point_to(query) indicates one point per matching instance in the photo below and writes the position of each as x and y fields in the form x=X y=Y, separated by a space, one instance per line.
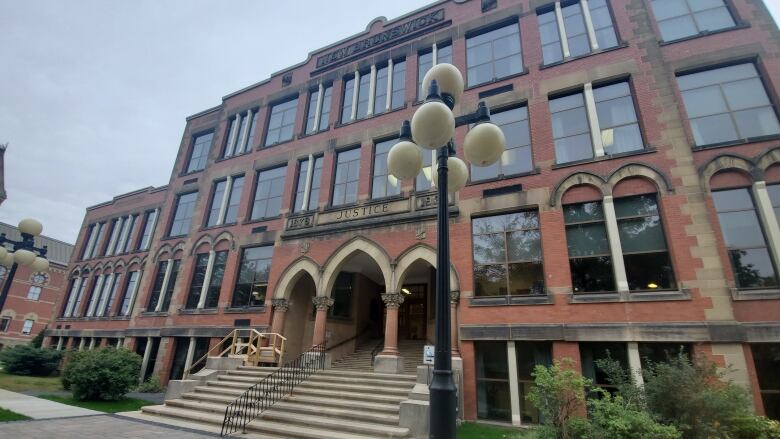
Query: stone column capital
x=393 y=300
x=454 y=296
x=280 y=305
x=322 y=303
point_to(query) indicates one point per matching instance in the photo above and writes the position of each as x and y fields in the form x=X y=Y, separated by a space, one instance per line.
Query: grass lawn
x=8 y=415
x=123 y=405
x=471 y=430
x=19 y=383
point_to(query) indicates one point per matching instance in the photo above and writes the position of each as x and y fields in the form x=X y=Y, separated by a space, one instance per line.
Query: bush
x=614 y=418
x=754 y=427
x=37 y=341
x=28 y=360
x=151 y=385
x=558 y=393
x=101 y=374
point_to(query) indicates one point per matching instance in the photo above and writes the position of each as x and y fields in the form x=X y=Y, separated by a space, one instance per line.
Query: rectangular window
x=198 y=279
x=342 y=296
x=494 y=55
x=508 y=255
x=529 y=355
x=240 y=136
x=90 y=234
x=200 y=152
x=590 y=258
x=130 y=290
x=150 y=219
x=424 y=180
x=766 y=357
x=106 y=308
x=281 y=123
x=753 y=267
x=116 y=227
x=617 y=118
x=576 y=26
x=185 y=207
x=319 y=104
x=346 y=106
x=171 y=285
x=684 y=18
x=384 y=184
x=5 y=323
x=727 y=104
x=425 y=62
x=28 y=325
x=590 y=353
x=34 y=293
x=124 y=244
x=216 y=203
x=215 y=283
x=268 y=194
x=493 y=395
x=380 y=93
x=650 y=353
x=643 y=243
x=219 y=216
x=399 y=85
x=364 y=85
x=311 y=112
x=159 y=278
x=301 y=202
x=234 y=200
x=252 y=280
x=516 y=158
x=345 y=185
x=79 y=297
x=571 y=130
x=774 y=198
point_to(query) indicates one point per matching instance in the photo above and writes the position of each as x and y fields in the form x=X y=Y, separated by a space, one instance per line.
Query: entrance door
x=413 y=316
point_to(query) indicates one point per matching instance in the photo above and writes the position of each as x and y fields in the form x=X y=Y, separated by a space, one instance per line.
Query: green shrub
x=151 y=385
x=37 y=341
x=101 y=374
x=558 y=393
x=754 y=427
x=614 y=418
x=28 y=360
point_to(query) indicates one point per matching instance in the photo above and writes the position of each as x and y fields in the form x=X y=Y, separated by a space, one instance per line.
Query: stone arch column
x=390 y=360
x=281 y=306
x=321 y=303
x=454 y=299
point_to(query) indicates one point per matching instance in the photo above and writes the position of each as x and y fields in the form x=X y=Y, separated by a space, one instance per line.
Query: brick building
x=635 y=210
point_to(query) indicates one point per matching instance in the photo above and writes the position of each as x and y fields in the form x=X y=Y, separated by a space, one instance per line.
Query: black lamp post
x=24 y=252
x=432 y=128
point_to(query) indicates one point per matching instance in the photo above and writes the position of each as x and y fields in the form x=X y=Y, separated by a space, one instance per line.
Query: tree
x=559 y=393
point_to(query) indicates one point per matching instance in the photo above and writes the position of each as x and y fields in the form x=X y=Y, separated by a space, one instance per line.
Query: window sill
x=736 y=142
x=244 y=309
x=757 y=294
x=261 y=220
x=171 y=238
x=704 y=34
x=119 y=317
x=352 y=122
x=647 y=150
x=187 y=174
x=218 y=226
x=187 y=311
x=264 y=146
x=535 y=171
x=631 y=296
x=530 y=299
x=496 y=80
x=305 y=135
x=154 y=314
x=224 y=159
x=575 y=58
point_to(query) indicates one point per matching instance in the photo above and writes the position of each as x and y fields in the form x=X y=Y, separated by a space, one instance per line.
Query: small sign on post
x=428 y=353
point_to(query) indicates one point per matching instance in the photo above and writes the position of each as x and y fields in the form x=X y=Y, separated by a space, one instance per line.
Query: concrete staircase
x=331 y=404
x=360 y=360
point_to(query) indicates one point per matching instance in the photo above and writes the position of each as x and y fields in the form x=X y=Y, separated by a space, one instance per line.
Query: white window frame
x=27 y=326
x=38 y=289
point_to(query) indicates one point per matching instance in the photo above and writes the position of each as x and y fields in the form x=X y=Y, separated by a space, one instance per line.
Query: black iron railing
x=377 y=349
x=258 y=398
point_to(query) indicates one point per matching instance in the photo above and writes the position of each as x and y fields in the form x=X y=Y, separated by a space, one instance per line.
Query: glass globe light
x=8 y=260
x=433 y=125
x=457 y=175
x=404 y=160
x=449 y=79
x=484 y=144
x=30 y=226
x=40 y=264
x=3 y=252
x=24 y=257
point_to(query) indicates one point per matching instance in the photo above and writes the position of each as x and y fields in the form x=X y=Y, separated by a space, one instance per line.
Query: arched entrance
x=299 y=321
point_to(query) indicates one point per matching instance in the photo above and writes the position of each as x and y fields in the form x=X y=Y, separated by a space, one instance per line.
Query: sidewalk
x=38 y=408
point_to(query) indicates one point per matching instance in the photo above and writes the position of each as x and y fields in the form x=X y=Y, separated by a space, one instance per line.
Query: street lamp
x=432 y=128
x=23 y=253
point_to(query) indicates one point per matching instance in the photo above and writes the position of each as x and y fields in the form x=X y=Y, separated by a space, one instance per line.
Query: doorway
x=413 y=314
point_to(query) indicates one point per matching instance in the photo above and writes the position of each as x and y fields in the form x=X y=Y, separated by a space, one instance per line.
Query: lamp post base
x=444 y=405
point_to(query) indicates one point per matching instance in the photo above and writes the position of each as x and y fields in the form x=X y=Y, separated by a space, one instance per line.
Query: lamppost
x=433 y=128
x=23 y=253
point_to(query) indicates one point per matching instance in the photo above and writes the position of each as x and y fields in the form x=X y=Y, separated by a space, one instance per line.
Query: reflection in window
x=617 y=118
x=252 y=280
x=516 y=158
x=216 y=203
x=268 y=195
x=727 y=104
x=425 y=62
x=494 y=55
x=744 y=239
x=130 y=289
x=345 y=185
x=529 y=355
x=281 y=123
x=384 y=184
x=507 y=255
x=590 y=353
x=682 y=18
x=185 y=207
x=650 y=353
x=301 y=203
x=424 y=180
x=200 y=152
x=493 y=400
x=575 y=28
x=767 y=360
x=642 y=240
x=774 y=197
x=199 y=278
x=570 y=129
x=590 y=258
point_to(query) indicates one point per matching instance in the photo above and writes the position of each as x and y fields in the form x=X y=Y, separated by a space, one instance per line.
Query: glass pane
x=700 y=5
x=757 y=122
x=507 y=66
x=717 y=76
x=676 y=28
x=606 y=37
x=733 y=199
x=548 y=32
x=517 y=160
x=714 y=19
x=587 y=240
x=592 y=274
x=704 y=101
x=489 y=248
x=622 y=139
x=492 y=360
x=490 y=280
x=526 y=278
x=747 y=93
x=579 y=45
x=713 y=129
x=774 y=194
x=641 y=234
x=590 y=211
x=552 y=53
x=664 y=9
x=741 y=229
x=524 y=246
x=570 y=122
x=613 y=112
x=753 y=268
x=649 y=271
x=569 y=149
x=566 y=102
x=506 y=46
x=493 y=401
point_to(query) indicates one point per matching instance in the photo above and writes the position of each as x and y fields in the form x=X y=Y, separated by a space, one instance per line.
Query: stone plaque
x=300 y=222
x=426 y=201
x=363 y=212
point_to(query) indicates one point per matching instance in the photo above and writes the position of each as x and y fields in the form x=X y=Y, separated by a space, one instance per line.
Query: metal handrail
x=378 y=348
x=253 y=348
x=258 y=398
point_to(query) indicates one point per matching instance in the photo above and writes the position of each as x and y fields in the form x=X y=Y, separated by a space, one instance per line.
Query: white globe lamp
x=433 y=125
x=484 y=144
x=24 y=257
x=404 y=160
x=449 y=79
x=40 y=264
x=457 y=175
x=30 y=226
x=3 y=252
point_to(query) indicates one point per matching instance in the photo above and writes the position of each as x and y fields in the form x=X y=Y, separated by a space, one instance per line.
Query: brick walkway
x=97 y=427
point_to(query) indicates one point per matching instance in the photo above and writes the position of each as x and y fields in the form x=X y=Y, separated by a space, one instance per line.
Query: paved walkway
x=38 y=408
x=97 y=427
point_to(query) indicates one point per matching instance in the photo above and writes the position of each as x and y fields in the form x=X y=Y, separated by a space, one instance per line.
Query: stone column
x=145 y=361
x=280 y=312
x=392 y=301
x=204 y=290
x=59 y=343
x=610 y=220
x=454 y=298
x=321 y=303
x=514 y=391
x=635 y=363
x=593 y=121
x=91 y=343
x=189 y=358
x=82 y=342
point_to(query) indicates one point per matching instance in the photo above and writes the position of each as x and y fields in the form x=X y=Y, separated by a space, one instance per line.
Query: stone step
x=219 y=390
x=209 y=397
x=336 y=380
x=197 y=405
x=285 y=430
x=392 y=409
x=334 y=425
x=354 y=396
x=248 y=373
x=373 y=389
x=292 y=406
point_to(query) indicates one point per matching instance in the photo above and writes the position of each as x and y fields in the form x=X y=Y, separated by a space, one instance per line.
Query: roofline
x=148 y=189
x=203 y=113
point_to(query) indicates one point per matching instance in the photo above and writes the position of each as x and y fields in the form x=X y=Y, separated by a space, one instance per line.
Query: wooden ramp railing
x=253 y=346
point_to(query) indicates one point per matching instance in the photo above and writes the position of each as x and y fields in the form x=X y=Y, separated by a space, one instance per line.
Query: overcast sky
x=93 y=93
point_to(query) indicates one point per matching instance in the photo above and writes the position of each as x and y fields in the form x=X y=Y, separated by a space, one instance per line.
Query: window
x=727 y=104
x=123 y=246
x=159 y=279
x=150 y=219
x=774 y=198
x=425 y=61
x=166 y=300
x=253 y=276
x=349 y=93
x=684 y=18
x=5 y=323
x=116 y=227
x=530 y=354
x=388 y=93
x=744 y=239
x=345 y=185
x=95 y=249
x=424 y=180
x=281 y=123
x=130 y=289
x=650 y=353
x=493 y=396
x=234 y=200
x=199 y=278
x=342 y=296
x=94 y=295
x=78 y=284
x=590 y=258
x=185 y=207
x=108 y=295
x=268 y=194
x=90 y=234
x=590 y=353
x=494 y=55
x=517 y=155
x=310 y=179
x=27 y=327
x=615 y=122
x=507 y=255
x=364 y=83
x=216 y=203
x=643 y=243
x=384 y=184
x=225 y=211
x=241 y=133
x=318 y=112
x=200 y=152
x=398 y=86
x=582 y=32
x=34 y=293
x=766 y=357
